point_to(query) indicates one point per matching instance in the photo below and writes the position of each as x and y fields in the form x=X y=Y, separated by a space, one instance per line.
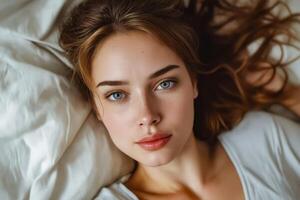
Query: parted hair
x=212 y=37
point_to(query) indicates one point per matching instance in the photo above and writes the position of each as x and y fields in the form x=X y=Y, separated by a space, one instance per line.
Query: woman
x=169 y=81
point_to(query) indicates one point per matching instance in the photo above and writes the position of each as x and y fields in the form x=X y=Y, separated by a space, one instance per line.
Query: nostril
x=152 y=122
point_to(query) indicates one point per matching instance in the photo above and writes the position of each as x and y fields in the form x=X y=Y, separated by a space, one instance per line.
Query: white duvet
x=51 y=146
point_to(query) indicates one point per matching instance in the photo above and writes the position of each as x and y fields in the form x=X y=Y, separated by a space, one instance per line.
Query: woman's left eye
x=166 y=84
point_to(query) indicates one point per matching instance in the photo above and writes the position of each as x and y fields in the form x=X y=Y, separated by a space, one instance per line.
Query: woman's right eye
x=116 y=96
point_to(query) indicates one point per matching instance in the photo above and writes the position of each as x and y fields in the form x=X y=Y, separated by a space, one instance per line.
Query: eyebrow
x=154 y=75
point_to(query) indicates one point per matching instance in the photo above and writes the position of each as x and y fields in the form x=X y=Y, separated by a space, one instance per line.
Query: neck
x=192 y=169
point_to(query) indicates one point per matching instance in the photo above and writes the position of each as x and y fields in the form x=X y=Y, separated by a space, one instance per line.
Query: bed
x=51 y=145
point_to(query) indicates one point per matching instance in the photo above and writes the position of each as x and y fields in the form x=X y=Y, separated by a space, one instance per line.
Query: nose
x=148 y=114
x=149 y=120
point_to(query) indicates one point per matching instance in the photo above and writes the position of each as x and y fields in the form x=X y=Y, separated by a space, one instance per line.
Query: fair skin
x=143 y=102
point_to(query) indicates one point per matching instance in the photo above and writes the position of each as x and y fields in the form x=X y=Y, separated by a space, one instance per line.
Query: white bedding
x=51 y=146
x=50 y=143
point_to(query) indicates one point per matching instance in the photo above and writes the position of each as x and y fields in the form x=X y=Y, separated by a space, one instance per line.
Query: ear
x=195 y=87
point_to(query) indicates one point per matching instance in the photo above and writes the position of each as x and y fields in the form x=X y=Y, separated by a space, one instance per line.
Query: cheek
x=184 y=112
x=181 y=111
x=181 y=104
x=118 y=129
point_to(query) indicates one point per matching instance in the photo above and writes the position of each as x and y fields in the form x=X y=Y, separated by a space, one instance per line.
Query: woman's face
x=144 y=90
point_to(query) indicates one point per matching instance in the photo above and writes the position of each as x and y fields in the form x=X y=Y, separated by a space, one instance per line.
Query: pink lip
x=154 y=142
x=156 y=136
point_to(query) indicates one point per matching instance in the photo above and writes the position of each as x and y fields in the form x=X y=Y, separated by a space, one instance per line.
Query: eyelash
x=173 y=81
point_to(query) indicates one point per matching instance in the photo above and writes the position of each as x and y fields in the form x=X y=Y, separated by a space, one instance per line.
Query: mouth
x=155 y=142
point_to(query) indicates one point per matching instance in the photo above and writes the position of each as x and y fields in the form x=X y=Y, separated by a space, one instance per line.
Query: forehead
x=131 y=52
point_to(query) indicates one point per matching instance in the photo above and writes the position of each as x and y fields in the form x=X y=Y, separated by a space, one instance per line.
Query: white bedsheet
x=51 y=146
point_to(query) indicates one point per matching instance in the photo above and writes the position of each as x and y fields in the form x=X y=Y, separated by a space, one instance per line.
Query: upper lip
x=154 y=137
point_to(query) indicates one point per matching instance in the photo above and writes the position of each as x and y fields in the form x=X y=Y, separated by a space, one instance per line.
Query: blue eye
x=116 y=96
x=166 y=84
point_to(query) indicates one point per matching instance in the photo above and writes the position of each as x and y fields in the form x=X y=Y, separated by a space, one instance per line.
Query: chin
x=156 y=160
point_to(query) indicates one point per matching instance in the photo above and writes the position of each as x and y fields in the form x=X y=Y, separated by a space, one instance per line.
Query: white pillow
x=50 y=143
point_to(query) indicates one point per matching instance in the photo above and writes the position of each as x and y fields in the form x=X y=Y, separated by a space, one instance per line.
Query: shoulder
x=258 y=127
x=253 y=133
x=265 y=139
x=265 y=148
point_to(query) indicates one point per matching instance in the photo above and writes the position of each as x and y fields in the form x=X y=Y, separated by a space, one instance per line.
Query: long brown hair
x=212 y=37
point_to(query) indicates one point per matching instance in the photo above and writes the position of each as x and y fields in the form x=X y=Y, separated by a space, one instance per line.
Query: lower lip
x=155 y=145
